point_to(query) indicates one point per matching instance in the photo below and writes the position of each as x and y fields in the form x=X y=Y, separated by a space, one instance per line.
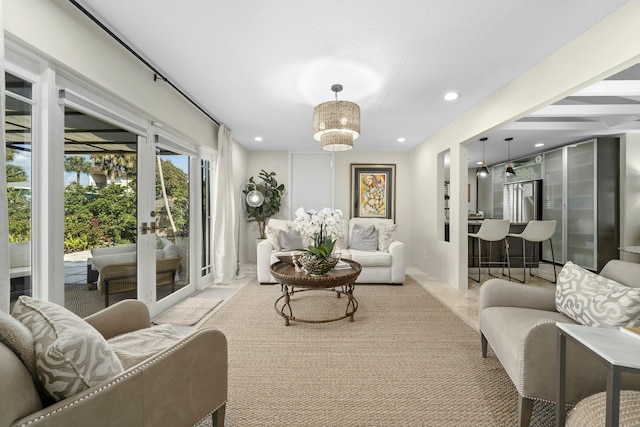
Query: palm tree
x=77 y=164
x=112 y=164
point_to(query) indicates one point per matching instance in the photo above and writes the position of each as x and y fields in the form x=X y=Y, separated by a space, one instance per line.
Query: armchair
x=518 y=322
x=178 y=386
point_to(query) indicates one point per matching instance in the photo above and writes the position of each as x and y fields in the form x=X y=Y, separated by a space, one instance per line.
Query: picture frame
x=373 y=190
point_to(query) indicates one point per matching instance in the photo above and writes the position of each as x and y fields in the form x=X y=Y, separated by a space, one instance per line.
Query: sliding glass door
x=103 y=204
x=100 y=212
x=18 y=133
x=173 y=221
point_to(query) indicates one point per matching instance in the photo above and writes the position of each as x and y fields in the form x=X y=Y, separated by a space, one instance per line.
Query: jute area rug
x=406 y=360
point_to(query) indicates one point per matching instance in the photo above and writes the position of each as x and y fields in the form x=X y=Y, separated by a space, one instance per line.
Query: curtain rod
x=157 y=75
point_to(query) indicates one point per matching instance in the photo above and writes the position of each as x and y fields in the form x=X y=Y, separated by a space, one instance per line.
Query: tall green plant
x=272 y=192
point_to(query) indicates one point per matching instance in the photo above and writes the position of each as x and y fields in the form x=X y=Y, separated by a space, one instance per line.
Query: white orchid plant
x=323 y=228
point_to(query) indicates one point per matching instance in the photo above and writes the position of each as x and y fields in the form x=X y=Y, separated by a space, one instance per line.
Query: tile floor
x=465 y=303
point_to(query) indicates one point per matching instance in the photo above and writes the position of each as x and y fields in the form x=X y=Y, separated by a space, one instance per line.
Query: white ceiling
x=261 y=66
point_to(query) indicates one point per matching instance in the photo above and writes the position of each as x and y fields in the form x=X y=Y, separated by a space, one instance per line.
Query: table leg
x=286 y=303
x=561 y=372
x=613 y=397
x=351 y=305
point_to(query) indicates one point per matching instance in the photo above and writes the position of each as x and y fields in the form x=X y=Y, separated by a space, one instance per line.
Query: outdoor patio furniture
x=118 y=278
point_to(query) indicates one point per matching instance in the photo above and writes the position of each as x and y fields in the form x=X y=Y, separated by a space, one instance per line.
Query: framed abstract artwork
x=373 y=191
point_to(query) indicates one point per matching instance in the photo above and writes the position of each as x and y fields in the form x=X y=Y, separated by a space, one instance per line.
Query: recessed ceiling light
x=451 y=96
x=257 y=139
x=539 y=144
x=478 y=163
x=402 y=139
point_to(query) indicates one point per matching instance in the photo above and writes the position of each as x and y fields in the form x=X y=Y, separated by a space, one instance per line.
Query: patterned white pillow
x=273 y=235
x=386 y=233
x=594 y=300
x=71 y=355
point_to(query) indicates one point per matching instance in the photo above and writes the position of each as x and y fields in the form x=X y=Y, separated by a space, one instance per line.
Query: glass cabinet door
x=497 y=177
x=552 y=203
x=581 y=221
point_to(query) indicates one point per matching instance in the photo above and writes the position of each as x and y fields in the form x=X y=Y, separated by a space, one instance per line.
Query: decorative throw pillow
x=273 y=236
x=386 y=233
x=137 y=346
x=594 y=300
x=71 y=355
x=364 y=238
x=291 y=240
x=19 y=339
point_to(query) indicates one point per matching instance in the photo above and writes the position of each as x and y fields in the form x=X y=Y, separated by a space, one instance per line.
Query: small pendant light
x=483 y=171
x=510 y=171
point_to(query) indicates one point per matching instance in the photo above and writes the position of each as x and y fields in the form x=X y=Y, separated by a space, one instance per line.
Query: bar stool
x=536 y=232
x=492 y=230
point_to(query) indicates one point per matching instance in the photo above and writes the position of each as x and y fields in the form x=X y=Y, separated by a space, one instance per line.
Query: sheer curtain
x=224 y=246
x=4 y=220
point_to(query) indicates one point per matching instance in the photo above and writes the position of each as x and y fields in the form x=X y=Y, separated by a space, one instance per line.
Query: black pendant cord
x=157 y=75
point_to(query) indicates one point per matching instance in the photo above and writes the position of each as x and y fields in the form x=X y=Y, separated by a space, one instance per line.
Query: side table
x=618 y=351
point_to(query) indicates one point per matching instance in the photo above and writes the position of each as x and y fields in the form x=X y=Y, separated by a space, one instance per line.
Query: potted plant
x=323 y=228
x=272 y=199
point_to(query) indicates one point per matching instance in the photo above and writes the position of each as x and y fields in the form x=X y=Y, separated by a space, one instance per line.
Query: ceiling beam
x=621 y=88
x=587 y=110
x=554 y=126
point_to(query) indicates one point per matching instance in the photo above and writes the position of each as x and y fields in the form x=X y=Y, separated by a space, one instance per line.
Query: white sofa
x=377 y=266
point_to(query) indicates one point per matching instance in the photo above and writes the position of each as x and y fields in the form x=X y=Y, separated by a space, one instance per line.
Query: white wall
x=278 y=161
x=404 y=195
x=270 y=161
x=59 y=32
x=603 y=50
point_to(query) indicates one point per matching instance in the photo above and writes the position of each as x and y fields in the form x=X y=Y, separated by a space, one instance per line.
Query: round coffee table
x=340 y=281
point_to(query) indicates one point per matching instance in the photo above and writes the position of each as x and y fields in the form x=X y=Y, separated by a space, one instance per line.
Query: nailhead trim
x=120 y=378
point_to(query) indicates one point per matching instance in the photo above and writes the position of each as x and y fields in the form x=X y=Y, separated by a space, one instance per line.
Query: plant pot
x=318 y=266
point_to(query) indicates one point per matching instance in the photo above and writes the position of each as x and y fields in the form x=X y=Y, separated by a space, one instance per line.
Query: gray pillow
x=290 y=240
x=19 y=339
x=364 y=238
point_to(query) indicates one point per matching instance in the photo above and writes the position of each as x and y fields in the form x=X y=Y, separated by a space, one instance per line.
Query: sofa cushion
x=99 y=262
x=170 y=250
x=71 y=355
x=19 y=254
x=19 y=339
x=363 y=238
x=368 y=258
x=110 y=250
x=386 y=233
x=594 y=300
x=137 y=346
x=290 y=240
